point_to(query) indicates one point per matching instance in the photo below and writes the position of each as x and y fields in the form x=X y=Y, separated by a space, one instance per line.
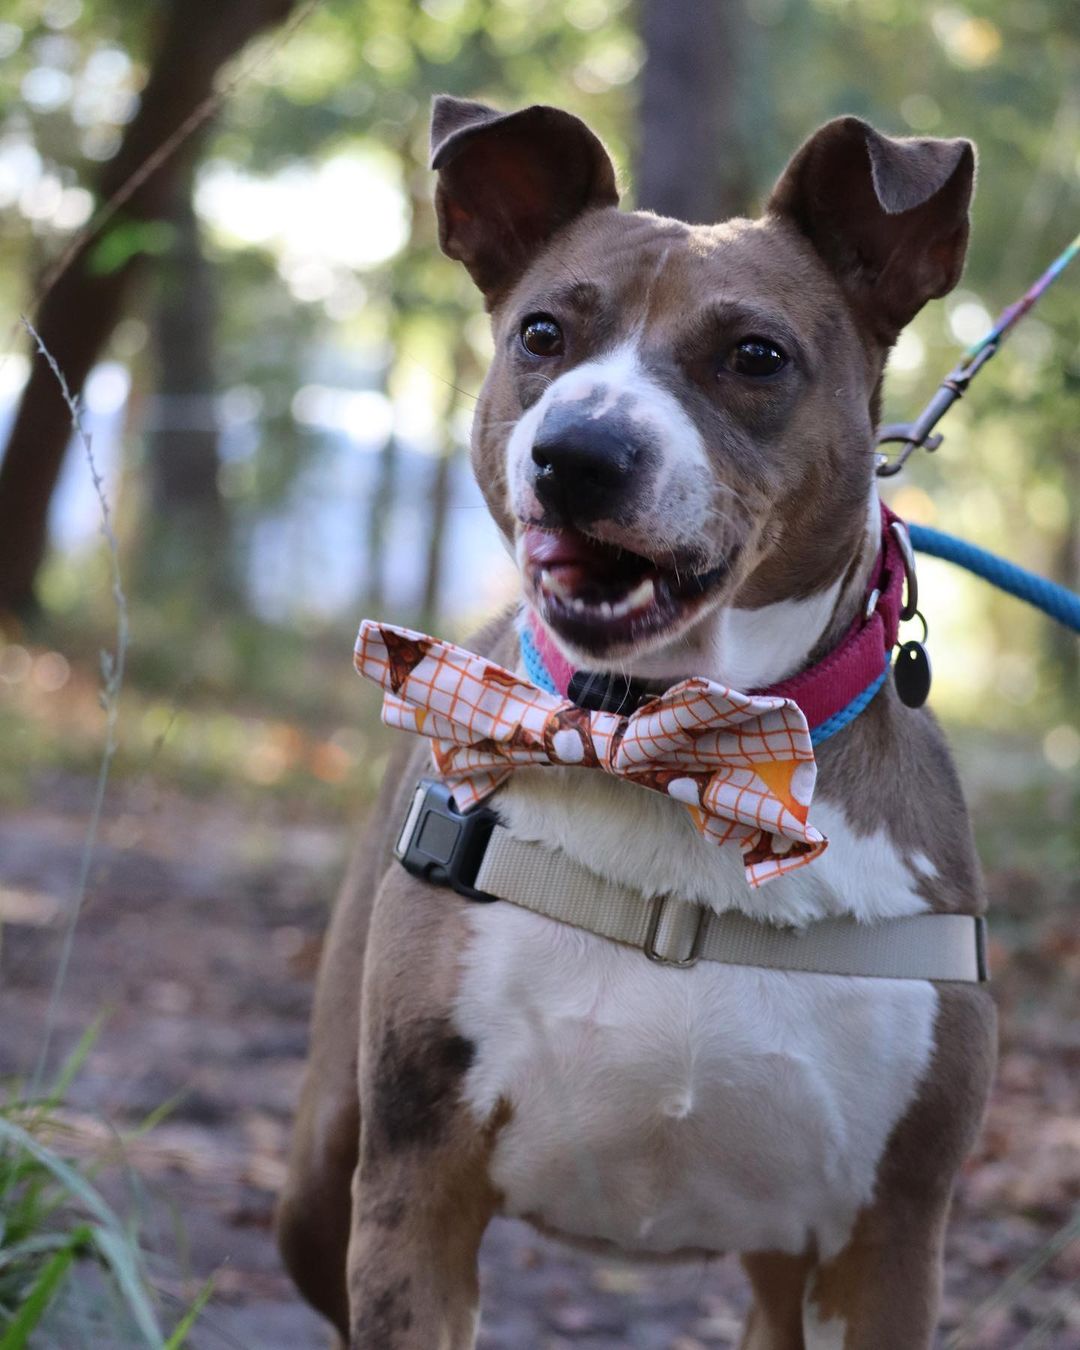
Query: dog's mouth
x=599 y=597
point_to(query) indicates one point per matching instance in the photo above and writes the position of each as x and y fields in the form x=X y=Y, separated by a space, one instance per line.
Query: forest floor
x=199 y=942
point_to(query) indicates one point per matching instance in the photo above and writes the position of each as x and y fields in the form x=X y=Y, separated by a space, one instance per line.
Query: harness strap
x=680 y=933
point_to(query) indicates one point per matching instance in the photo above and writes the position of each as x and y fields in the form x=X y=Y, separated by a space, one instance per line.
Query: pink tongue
x=571 y=558
x=549 y=548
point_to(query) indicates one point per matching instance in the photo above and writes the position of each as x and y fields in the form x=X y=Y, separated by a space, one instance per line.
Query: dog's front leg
x=883 y=1291
x=413 y=1257
x=421 y=1195
x=776 y=1316
x=421 y=1202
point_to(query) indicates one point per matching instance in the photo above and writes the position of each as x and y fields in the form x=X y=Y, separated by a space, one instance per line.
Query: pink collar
x=834 y=690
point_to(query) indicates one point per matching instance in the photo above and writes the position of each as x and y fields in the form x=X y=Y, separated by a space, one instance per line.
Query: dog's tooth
x=606 y=610
x=577 y=604
x=644 y=593
x=552 y=585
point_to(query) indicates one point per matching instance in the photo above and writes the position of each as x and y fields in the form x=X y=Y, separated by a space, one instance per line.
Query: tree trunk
x=439 y=512
x=692 y=160
x=380 y=504
x=439 y=495
x=188 y=545
x=82 y=307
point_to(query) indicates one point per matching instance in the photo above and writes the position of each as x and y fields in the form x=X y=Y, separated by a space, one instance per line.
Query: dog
x=676 y=438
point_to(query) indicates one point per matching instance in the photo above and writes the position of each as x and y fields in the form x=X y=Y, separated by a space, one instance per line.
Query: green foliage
x=125 y=240
x=1002 y=73
x=32 y=1306
x=353 y=84
x=52 y=1217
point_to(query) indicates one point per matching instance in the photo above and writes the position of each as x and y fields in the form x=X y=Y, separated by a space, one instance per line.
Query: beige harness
x=481 y=859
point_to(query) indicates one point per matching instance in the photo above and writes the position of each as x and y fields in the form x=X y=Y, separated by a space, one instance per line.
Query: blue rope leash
x=1052 y=599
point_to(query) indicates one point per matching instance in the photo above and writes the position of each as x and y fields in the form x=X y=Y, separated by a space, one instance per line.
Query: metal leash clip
x=911 y=435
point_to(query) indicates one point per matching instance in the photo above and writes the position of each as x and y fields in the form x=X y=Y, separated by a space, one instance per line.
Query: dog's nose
x=583 y=468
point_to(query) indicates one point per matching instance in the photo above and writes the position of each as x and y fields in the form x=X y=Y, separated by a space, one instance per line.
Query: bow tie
x=742 y=764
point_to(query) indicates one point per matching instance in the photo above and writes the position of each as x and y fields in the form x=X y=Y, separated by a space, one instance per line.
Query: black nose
x=583 y=467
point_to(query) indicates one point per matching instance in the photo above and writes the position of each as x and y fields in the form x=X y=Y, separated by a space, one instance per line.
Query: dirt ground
x=199 y=941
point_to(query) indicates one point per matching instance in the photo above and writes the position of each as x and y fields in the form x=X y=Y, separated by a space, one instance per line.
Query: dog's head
x=678 y=421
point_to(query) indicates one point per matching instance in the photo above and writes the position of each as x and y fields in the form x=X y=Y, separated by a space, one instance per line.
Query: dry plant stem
x=112 y=668
x=1066 y=1235
x=1053 y=1319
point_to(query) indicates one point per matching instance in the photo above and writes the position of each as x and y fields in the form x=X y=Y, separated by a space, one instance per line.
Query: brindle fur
x=385 y=1206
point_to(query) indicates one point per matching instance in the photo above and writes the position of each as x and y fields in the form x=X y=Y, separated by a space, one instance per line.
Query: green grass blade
x=179 y=1335
x=31 y=1247
x=109 y=1235
x=76 y=1186
x=72 y=1065
x=117 y=1249
x=154 y=1118
x=33 y=1306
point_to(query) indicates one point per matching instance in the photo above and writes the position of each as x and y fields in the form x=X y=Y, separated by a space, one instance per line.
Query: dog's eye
x=541 y=335
x=756 y=357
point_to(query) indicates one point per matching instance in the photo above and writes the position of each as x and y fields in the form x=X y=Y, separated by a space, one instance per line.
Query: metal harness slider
x=656 y=916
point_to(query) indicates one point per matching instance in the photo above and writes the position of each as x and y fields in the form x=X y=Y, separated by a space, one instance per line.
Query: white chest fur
x=716 y=1108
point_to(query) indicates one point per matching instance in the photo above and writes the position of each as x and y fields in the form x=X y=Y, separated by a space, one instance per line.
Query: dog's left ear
x=889 y=216
x=508 y=181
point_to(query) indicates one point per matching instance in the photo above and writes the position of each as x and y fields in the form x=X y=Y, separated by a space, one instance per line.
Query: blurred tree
x=441 y=488
x=351 y=87
x=79 y=310
x=187 y=551
x=692 y=162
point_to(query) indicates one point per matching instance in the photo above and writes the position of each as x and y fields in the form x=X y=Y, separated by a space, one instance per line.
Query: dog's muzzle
x=587 y=467
x=583 y=469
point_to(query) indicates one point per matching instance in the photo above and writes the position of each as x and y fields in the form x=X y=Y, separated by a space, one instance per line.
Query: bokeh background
x=216 y=213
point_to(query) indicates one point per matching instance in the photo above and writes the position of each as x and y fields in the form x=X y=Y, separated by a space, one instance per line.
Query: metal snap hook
x=910 y=606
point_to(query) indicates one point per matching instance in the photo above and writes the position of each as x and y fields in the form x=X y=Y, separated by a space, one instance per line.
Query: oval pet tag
x=912 y=674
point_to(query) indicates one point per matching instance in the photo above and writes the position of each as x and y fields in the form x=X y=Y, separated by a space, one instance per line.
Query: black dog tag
x=912 y=674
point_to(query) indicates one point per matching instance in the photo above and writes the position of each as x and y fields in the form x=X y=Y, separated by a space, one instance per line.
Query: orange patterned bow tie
x=743 y=765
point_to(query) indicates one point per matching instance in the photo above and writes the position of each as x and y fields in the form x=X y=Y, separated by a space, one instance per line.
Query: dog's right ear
x=889 y=215
x=508 y=181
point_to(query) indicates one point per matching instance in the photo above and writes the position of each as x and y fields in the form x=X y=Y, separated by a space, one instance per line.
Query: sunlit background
x=337 y=334
x=279 y=408
x=340 y=354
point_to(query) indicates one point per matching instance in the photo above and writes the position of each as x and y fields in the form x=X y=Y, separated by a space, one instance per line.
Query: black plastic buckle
x=442 y=845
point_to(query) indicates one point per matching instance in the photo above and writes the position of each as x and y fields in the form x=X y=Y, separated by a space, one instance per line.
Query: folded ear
x=508 y=181
x=889 y=216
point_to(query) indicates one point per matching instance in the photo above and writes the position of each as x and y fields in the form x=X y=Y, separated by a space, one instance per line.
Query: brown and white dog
x=689 y=413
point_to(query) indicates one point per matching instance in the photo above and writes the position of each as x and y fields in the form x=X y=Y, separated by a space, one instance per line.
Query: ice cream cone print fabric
x=742 y=765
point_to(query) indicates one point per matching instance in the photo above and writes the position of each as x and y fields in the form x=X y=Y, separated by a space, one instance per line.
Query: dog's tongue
x=571 y=557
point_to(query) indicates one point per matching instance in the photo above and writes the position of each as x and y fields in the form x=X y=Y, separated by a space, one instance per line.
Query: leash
x=912 y=435
x=1056 y=601
x=1052 y=599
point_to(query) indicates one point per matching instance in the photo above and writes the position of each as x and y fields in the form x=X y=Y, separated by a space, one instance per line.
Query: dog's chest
x=716 y=1108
